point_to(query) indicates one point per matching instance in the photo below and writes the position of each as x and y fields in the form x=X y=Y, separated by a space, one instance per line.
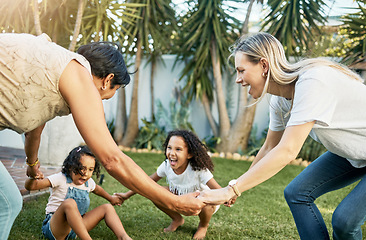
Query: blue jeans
x=10 y=202
x=328 y=173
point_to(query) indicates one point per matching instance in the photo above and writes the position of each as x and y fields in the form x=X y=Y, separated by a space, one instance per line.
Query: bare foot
x=200 y=233
x=174 y=225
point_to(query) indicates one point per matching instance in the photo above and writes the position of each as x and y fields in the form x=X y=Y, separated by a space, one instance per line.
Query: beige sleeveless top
x=30 y=68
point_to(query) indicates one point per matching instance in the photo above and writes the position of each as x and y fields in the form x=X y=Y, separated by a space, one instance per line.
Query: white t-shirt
x=59 y=188
x=187 y=182
x=337 y=104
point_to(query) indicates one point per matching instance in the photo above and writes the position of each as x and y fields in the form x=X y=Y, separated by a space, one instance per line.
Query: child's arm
x=36 y=184
x=127 y=195
x=212 y=184
x=114 y=200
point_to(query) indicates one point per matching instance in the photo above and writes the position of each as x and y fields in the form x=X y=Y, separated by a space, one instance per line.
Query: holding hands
x=226 y=195
x=33 y=170
x=116 y=200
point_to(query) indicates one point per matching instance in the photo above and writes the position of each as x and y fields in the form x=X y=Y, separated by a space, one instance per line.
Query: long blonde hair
x=264 y=45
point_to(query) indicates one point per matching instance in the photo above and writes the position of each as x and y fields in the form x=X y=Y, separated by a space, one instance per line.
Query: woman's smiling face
x=249 y=74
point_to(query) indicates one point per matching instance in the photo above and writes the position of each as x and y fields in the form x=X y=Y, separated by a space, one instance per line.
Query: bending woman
x=40 y=80
x=316 y=97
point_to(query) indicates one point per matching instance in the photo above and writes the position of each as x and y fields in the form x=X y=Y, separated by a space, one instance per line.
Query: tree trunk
x=211 y=120
x=132 y=124
x=237 y=137
x=77 y=27
x=240 y=130
x=121 y=117
x=37 y=22
x=224 y=121
x=152 y=78
x=245 y=28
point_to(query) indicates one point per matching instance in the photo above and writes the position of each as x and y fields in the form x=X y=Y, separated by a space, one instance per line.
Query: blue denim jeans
x=328 y=173
x=10 y=202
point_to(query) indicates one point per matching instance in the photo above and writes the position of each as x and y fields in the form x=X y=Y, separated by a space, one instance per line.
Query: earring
x=264 y=75
x=104 y=88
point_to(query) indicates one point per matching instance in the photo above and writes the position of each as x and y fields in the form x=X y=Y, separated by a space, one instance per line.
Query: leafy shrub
x=311 y=149
x=254 y=143
x=211 y=142
x=152 y=135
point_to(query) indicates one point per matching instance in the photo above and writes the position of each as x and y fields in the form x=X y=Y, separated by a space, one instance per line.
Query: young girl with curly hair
x=187 y=168
x=66 y=210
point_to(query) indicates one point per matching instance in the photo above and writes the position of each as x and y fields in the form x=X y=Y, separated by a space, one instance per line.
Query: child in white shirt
x=187 y=169
x=66 y=211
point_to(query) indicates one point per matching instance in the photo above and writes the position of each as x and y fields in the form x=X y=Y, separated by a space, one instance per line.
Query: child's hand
x=231 y=202
x=122 y=196
x=116 y=200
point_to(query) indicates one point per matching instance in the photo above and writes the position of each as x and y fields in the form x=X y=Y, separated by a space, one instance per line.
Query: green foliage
x=355 y=30
x=111 y=126
x=293 y=23
x=211 y=143
x=101 y=19
x=205 y=25
x=152 y=135
x=329 y=43
x=176 y=117
x=153 y=29
x=255 y=143
x=260 y=213
x=311 y=150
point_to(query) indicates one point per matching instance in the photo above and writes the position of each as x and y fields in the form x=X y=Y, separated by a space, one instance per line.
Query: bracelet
x=232 y=184
x=31 y=164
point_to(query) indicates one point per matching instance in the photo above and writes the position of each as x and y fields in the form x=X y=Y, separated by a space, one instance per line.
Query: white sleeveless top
x=30 y=69
x=187 y=182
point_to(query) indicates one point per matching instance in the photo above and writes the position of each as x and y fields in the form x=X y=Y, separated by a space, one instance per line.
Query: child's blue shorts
x=46 y=229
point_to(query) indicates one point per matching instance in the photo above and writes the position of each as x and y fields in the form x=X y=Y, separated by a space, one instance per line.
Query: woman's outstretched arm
x=79 y=91
x=270 y=163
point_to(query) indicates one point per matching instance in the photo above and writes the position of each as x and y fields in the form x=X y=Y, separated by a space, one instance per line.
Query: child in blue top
x=187 y=169
x=66 y=211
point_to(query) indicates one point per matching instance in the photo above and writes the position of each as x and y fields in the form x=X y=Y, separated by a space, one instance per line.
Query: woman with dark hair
x=40 y=80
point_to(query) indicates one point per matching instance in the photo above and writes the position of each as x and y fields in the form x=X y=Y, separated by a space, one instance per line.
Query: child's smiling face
x=88 y=163
x=177 y=154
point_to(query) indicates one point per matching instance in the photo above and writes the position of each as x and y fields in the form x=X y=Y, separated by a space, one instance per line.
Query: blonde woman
x=313 y=97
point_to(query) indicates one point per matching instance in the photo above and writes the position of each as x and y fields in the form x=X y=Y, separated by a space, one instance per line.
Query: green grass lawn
x=260 y=213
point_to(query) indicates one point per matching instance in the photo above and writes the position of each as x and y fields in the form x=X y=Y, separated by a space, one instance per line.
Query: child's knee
x=69 y=203
x=209 y=209
x=108 y=207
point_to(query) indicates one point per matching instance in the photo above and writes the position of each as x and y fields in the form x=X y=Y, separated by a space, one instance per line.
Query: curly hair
x=72 y=161
x=200 y=159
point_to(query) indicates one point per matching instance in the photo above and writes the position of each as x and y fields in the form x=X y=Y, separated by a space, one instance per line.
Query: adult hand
x=116 y=200
x=189 y=204
x=122 y=196
x=35 y=172
x=217 y=196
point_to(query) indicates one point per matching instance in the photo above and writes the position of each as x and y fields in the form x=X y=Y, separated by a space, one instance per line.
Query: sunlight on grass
x=260 y=213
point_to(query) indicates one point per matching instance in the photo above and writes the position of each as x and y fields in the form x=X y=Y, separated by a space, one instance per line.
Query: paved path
x=14 y=161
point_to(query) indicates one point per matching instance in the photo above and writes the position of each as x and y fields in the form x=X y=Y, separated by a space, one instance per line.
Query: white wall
x=166 y=80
